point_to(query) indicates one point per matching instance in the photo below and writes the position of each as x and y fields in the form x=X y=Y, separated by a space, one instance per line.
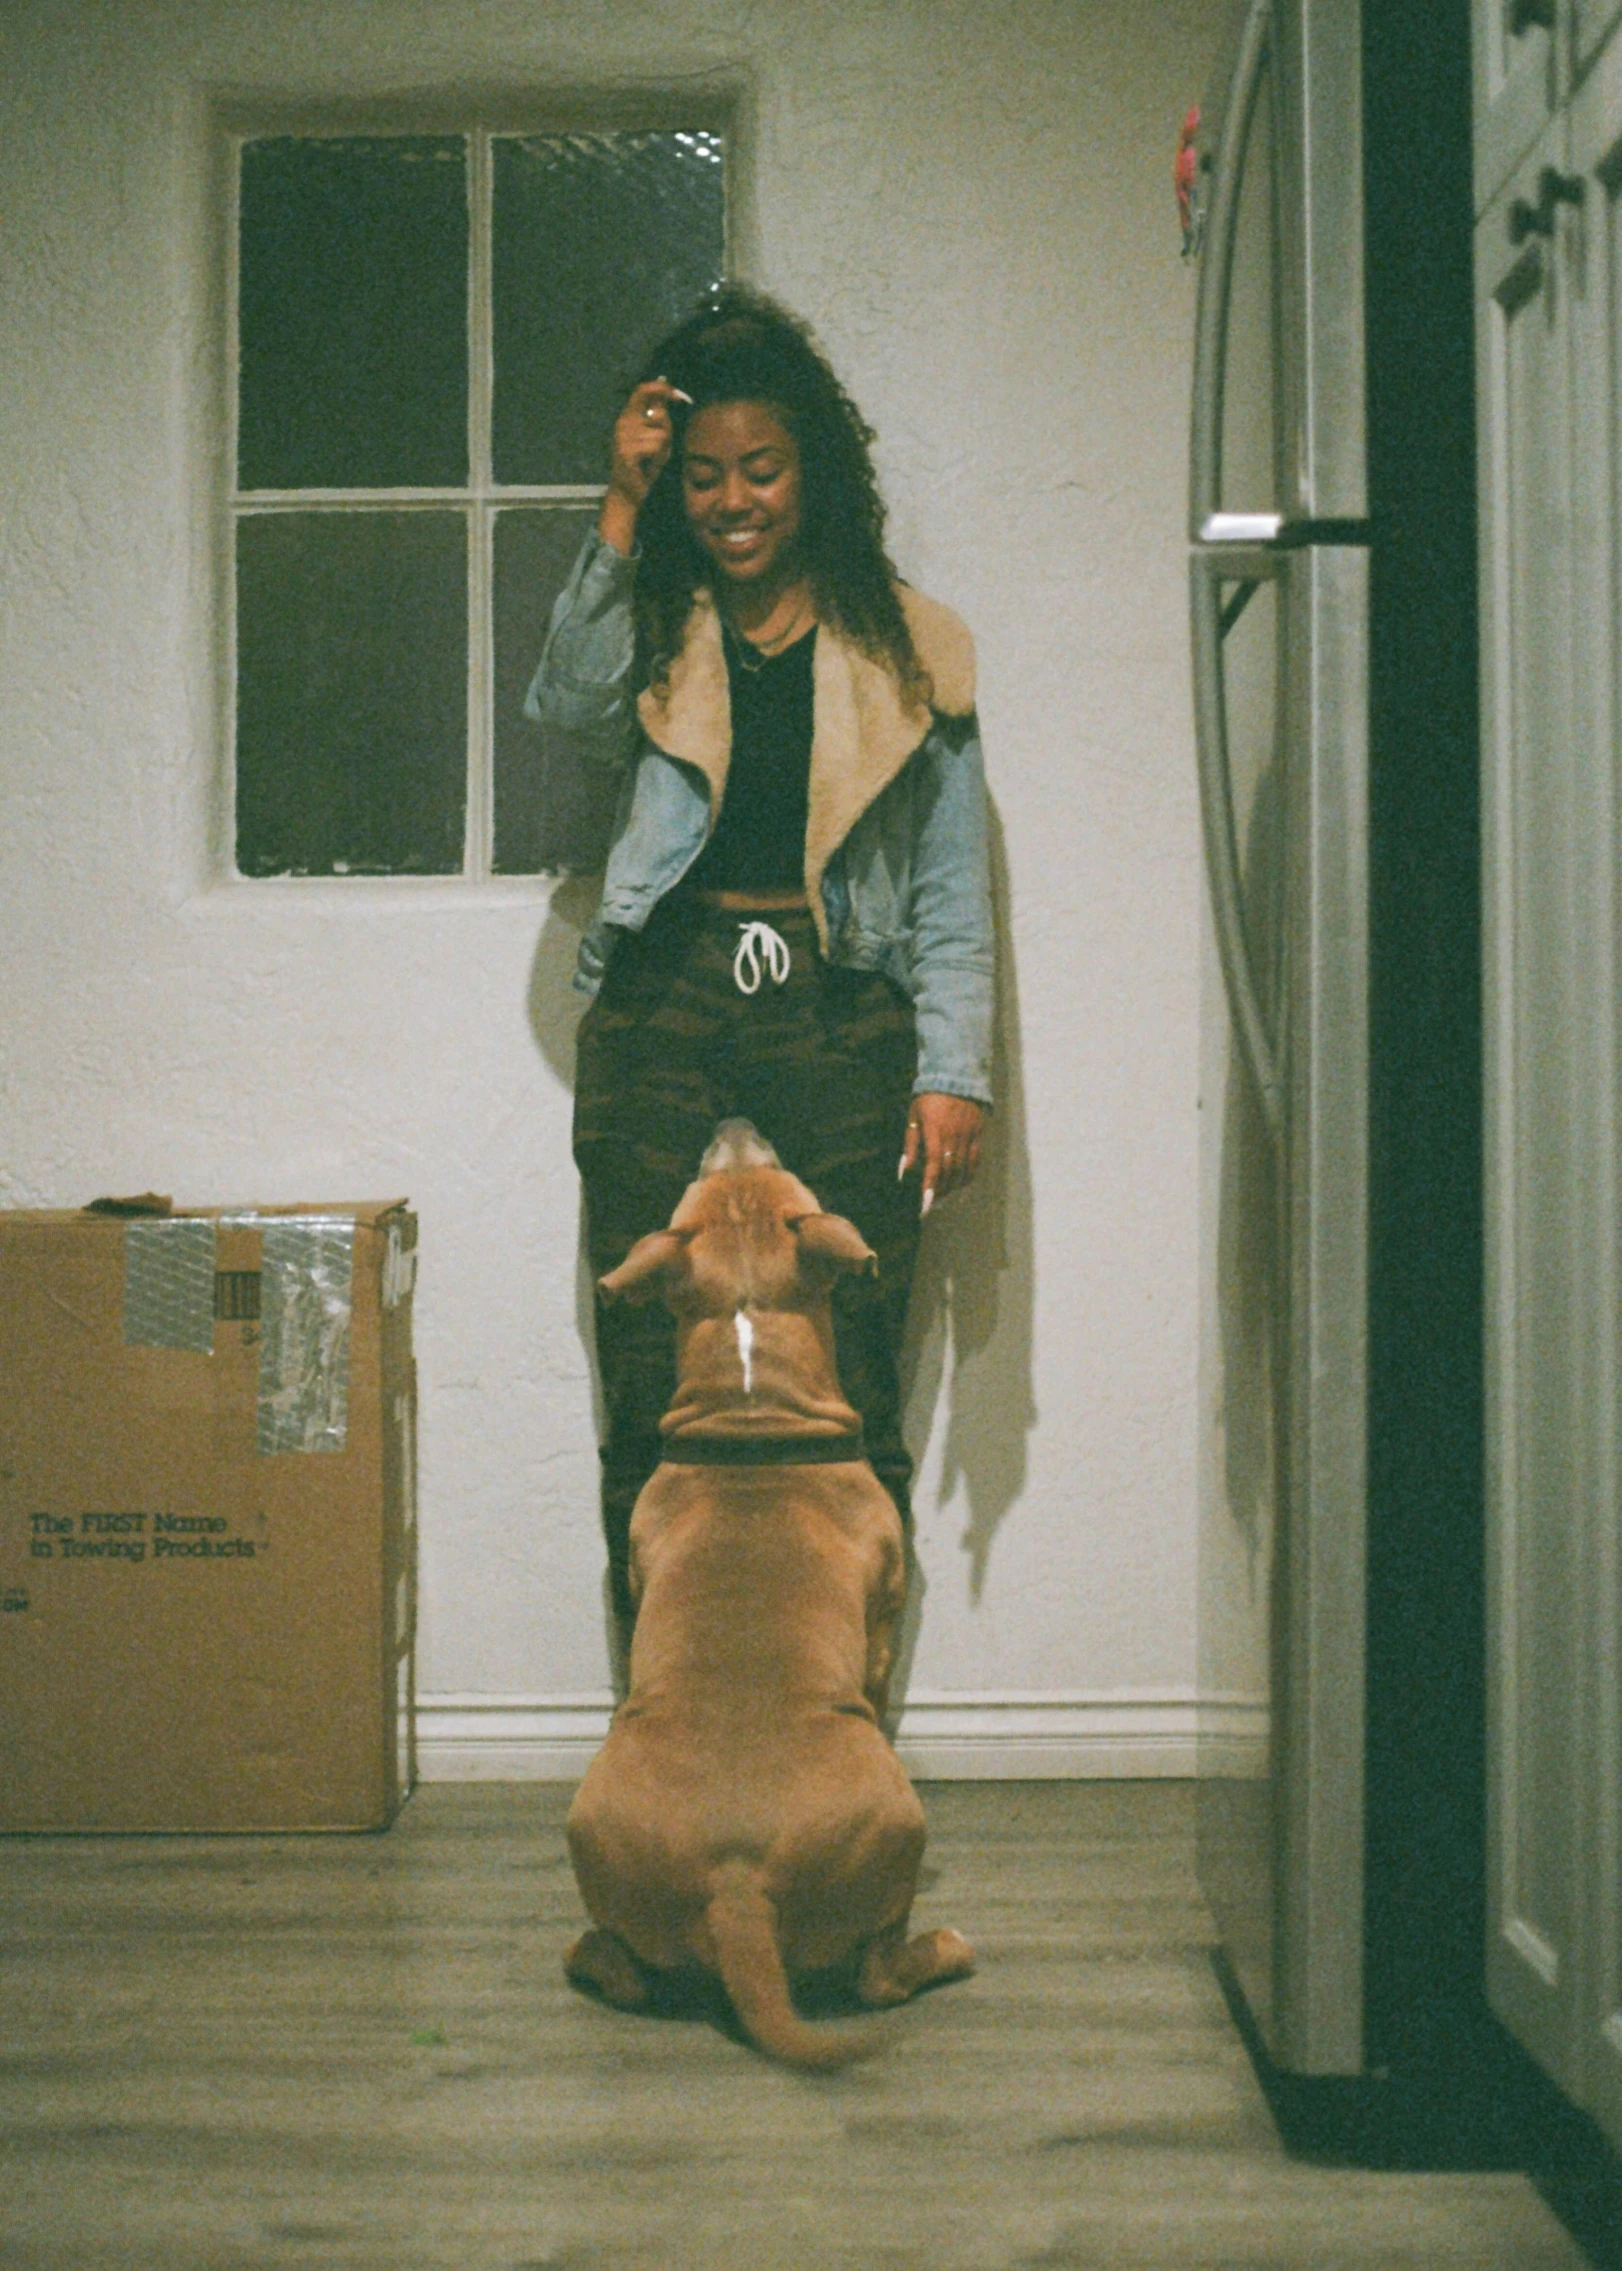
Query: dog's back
x=751 y=1725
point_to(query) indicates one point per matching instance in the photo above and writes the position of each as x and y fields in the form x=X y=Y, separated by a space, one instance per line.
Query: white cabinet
x=1595 y=156
x=1532 y=848
x=1592 y=23
x=1549 y=317
x=1516 y=59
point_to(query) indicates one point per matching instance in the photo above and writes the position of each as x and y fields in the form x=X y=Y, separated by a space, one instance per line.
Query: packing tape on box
x=309 y=1267
x=399 y=1269
x=306 y=1297
x=169 y=1284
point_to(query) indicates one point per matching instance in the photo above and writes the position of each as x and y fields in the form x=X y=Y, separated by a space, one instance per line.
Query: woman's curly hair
x=740 y=346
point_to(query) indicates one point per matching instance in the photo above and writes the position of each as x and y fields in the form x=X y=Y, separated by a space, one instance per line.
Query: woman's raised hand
x=643 y=439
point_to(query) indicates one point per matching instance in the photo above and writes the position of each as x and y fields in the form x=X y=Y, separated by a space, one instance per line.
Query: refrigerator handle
x=1216 y=270
x=1216 y=820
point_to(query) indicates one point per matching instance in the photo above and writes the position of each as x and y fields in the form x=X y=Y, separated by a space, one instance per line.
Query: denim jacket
x=896 y=866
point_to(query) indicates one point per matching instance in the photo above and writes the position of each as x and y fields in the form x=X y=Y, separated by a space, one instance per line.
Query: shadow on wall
x=970 y=1327
x=555 y=1010
x=554 y=1006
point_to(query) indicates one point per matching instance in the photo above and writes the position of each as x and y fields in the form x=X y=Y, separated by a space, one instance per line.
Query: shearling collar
x=862 y=732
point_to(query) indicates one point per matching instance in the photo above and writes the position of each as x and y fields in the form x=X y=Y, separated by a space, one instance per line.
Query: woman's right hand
x=643 y=440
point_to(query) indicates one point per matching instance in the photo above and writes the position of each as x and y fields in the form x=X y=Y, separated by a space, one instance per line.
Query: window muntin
x=433 y=333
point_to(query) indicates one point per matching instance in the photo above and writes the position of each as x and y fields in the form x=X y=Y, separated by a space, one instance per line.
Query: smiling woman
x=740 y=479
x=796 y=923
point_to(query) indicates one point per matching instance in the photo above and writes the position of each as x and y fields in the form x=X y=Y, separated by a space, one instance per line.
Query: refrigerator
x=1331 y=587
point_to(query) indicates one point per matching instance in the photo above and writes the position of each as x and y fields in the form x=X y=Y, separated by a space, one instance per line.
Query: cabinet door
x=1514 y=56
x=1537 y=1065
x=1596 y=158
x=1592 y=23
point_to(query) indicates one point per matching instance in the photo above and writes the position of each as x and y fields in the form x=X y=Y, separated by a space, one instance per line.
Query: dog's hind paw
x=600 y=1961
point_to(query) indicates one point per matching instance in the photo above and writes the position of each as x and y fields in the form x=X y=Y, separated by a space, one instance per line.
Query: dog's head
x=747 y=1233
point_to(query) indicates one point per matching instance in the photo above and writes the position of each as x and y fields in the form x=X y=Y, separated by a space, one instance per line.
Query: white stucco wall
x=974 y=207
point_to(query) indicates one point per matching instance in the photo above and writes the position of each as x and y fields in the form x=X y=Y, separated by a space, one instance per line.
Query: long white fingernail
x=901 y=1171
x=682 y=396
x=929 y=1200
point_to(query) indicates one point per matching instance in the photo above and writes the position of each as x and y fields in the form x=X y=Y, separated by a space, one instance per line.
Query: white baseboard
x=1235 y=1735
x=942 y=1736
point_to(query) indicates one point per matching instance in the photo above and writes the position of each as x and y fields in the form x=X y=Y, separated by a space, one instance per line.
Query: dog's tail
x=743 y=1925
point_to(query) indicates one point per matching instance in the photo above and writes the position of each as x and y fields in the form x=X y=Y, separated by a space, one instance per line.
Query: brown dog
x=747 y=1815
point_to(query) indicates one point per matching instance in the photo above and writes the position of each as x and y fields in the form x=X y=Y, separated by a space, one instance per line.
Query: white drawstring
x=759 y=945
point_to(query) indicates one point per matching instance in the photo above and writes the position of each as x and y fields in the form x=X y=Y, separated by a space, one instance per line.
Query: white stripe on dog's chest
x=746 y=1350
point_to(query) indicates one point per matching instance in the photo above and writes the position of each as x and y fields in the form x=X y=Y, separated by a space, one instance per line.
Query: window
x=433 y=332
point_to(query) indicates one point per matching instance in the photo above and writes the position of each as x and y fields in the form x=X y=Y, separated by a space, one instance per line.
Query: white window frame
x=480 y=124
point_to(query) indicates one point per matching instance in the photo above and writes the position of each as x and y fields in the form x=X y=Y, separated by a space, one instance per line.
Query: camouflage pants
x=823 y=1064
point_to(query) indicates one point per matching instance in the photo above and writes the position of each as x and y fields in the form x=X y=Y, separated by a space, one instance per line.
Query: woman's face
x=740 y=484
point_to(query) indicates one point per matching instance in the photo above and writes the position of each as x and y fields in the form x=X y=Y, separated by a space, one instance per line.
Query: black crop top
x=759 y=840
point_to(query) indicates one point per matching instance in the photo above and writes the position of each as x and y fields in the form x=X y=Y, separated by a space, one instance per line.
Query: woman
x=796 y=921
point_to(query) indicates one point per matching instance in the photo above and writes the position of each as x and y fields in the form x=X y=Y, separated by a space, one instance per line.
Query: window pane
x=353 y=313
x=550 y=812
x=351 y=693
x=601 y=243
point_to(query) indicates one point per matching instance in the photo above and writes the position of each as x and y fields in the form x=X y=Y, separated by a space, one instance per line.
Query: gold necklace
x=755 y=654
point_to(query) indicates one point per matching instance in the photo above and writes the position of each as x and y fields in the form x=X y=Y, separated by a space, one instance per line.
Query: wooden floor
x=361 y=2052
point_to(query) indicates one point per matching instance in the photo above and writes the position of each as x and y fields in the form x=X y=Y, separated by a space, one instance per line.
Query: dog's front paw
x=953 y=1954
x=893 y=1969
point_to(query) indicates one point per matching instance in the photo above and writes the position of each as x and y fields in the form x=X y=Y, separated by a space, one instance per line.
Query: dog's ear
x=641 y=1276
x=830 y=1238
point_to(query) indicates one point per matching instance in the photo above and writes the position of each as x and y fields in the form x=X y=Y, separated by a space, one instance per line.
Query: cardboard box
x=207 y=1518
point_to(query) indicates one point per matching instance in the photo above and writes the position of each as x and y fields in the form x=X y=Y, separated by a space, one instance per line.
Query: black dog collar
x=762 y=1450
